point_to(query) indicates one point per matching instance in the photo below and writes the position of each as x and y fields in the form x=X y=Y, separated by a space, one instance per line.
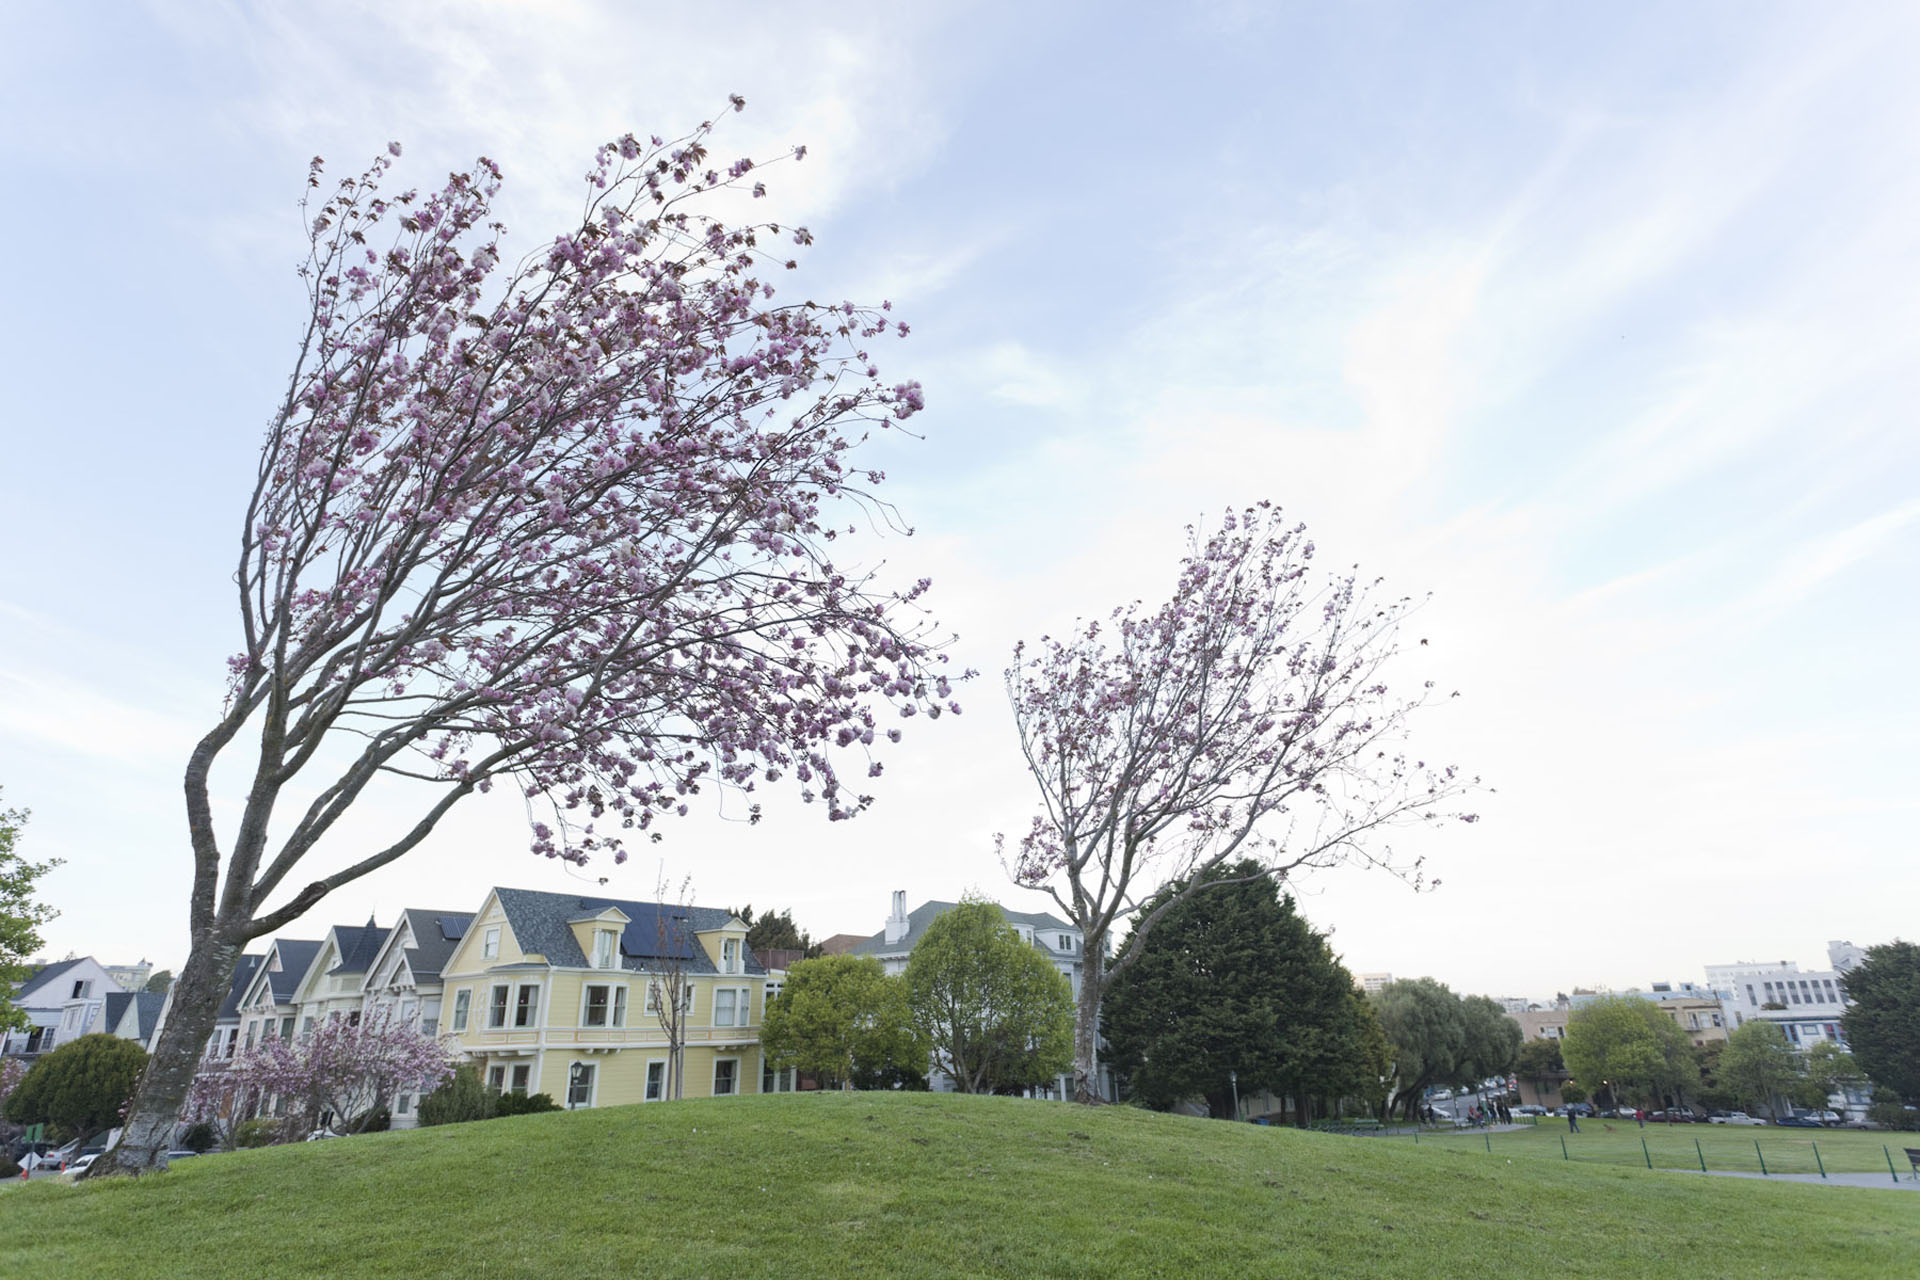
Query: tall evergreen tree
x=1233 y=980
x=1883 y=1022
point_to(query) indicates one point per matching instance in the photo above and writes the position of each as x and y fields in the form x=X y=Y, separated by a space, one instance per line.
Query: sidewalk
x=1881 y=1180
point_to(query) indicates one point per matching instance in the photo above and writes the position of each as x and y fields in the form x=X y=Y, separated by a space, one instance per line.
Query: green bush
x=463 y=1098
x=515 y=1104
x=200 y=1138
x=8 y=1169
x=1886 y=1110
x=262 y=1132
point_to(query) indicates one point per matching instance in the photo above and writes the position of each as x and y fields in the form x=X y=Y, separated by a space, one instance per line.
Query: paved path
x=1881 y=1180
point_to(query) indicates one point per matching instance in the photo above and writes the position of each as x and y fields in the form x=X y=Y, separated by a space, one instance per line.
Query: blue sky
x=1599 y=323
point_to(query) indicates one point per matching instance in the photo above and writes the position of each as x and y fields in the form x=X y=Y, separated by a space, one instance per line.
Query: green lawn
x=917 y=1185
x=1672 y=1146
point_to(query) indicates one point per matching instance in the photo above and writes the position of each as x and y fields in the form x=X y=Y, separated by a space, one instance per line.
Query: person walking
x=1573 y=1121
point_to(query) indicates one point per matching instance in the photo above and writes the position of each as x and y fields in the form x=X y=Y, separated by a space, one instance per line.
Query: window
x=772 y=1081
x=730 y=955
x=1828 y=1028
x=521 y=1075
x=1066 y=942
x=1750 y=999
x=580 y=1084
x=306 y=1026
x=598 y=1000
x=497 y=1007
x=233 y=1038
x=656 y=1080
x=526 y=1010
x=400 y=1104
x=81 y=990
x=726 y=1007
x=603 y=952
x=619 y=1006
x=251 y=1027
x=490 y=944
x=462 y=1000
x=429 y=1026
x=497 y=1079
x=725 y=1076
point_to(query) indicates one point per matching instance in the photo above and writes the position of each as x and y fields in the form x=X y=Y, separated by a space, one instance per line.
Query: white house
x=63 y=1001
x=403 y=978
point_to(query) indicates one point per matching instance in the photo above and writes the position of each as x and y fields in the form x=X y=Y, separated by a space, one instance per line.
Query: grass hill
x=918 y=1185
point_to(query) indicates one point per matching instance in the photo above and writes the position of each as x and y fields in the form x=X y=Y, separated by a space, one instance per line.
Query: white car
x=1733 y=1117
x=81 y=1165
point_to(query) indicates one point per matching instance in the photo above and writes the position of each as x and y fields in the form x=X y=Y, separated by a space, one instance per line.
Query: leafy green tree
x=1427 y=1028
x=1712 y=1092
x=996 y=1013
x=1758 y=1066
x=776 y=931
x=1883 y=1022
x=80 y=1087
x=1235 y=980
x=1492 y=1045
x=1826 y=1067
x=1540 y=1062
x=463 y=1098
x=1630 y=1048
x=20 y=916
x=159 y=982
x=843 y=1019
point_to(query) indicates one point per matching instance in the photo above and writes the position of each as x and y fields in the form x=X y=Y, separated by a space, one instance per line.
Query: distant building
x=1541 y=1024
x=130 y=977
x=62 y=1001
x=1806 y=1005
x=1372 y=982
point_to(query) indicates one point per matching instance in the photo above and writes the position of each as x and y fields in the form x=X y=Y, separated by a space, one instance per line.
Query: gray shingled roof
x=242 y=975
x=116 y=1004
x=296 y=955
x=927 y=912
x=358 y=944
x=146 y=1009
x=539 y=924
x=48 y=971
x=437 y=933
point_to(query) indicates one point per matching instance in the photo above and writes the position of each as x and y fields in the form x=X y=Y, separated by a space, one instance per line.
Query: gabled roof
x=358 y=945
x=146 y=1010
x=242 y=976
x=48 y=972
x=434 y=935
x=296 y=957
x=540 y=924
x=116 y=1005
x=927 y=912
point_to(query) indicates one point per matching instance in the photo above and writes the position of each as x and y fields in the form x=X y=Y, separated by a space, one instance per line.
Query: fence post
x=1565 y=1156
x=1817 y=1160
x=1487 y=1136
x=1703 y=1155
x=1889 y=1155
x=1763 y=1157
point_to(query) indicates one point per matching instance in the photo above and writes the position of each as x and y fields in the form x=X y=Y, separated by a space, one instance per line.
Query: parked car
x=84 y=1163
x=1530 y=1110
x=1828 y=1118
x=1733 y=1117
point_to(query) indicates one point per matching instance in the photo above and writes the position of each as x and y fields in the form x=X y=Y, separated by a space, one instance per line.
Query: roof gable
x=655 y=933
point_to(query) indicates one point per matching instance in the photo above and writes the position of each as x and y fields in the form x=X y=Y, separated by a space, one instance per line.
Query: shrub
x=514 y=1104
x=463 y=1098
x=379 y=1122
x=1886 y=1110
x=200 y=1138
x=8 y=1169
x=261 y=1132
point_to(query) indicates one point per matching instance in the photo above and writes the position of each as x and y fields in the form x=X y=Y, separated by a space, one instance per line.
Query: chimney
x=897 y=922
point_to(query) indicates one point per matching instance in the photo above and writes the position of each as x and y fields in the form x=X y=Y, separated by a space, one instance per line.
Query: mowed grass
x=1723 y=1147
x=917 y=1185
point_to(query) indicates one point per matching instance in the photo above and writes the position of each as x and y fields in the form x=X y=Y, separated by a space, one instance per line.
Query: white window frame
x=497 y=1077
x=515 y=1082
x=729 y=955
x=713 y=1087
x=647 y=1093
x=462 y=1008
x=490 y=943
x=742 y=1009
x=619 y=1011
x=504 y=1005
x=526 y=1007
x=586 y=1004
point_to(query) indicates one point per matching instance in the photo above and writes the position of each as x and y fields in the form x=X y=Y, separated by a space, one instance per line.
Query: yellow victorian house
x=587 y=999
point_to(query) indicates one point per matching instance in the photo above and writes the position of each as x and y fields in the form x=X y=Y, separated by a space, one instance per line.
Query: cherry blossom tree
x=563 y=525
x=342 y=1071
x=1246 y=717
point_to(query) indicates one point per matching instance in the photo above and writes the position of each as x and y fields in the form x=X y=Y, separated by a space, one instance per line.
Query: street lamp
x=1233 y=1079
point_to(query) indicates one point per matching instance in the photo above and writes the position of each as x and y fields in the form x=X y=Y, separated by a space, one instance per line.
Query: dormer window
x=603 y=948
x=490 y=944
x=730 y=955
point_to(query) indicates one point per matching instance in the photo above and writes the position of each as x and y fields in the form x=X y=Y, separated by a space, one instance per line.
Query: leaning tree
x=1247 y=717
x=563 y=525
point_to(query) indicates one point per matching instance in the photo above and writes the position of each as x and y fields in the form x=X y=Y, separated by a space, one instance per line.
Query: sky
x=1598 y=324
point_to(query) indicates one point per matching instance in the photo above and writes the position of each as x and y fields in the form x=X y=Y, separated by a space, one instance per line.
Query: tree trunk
x=198 y=994
x=1086 y=1024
